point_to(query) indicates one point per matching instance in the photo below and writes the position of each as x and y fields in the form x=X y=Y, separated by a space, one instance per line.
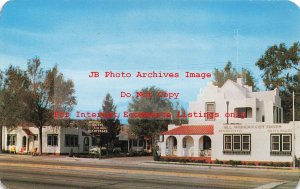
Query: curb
x=223 y=165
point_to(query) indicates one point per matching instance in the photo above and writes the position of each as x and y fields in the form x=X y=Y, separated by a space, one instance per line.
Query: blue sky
x=178 y=36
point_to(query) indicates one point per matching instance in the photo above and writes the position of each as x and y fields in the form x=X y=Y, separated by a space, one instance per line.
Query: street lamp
x=227 y=103
x=99 y=145
x=77 y=128
x=294 y=133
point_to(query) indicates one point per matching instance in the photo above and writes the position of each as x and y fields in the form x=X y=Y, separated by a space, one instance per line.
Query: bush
x=263 y=163
x=5 y=151
x=297 y=162
x=199 y=161
x=142 y=153
x=156 y=157
x=117 y=151
x=181 y=160
x=282 y=164
x=71 y=154
x=234 y=163
x=218 y=162
x=287 y=164
x=251 y=163
x=103 y=152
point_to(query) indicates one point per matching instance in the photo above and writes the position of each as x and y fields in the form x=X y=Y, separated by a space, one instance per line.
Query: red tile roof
x=191 y=130
x=28 y=132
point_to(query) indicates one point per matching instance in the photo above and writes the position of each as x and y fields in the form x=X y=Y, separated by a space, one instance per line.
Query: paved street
x=136 y=172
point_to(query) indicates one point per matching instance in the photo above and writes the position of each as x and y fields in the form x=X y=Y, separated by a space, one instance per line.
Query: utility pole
x=294 y=136
x=236 y=36
x=227 y=103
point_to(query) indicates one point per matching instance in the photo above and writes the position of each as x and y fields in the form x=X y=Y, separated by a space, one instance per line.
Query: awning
x=28 y=132
x=191 y=130
x=84 y=133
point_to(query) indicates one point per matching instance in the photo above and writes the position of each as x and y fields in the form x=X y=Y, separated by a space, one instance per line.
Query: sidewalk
x=64 y=158
x=225 y=166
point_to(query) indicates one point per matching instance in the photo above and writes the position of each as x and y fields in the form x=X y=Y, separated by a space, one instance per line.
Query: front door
x=206 y=143
x=86 y=144
x=31 y=142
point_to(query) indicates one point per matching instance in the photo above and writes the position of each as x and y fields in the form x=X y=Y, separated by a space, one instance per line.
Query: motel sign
x=96 y=128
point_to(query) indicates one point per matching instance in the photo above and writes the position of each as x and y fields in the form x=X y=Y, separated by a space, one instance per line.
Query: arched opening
x=188 y=146
x=86 y=144
x=205 y=146
x=171 y=146
x=24 y=141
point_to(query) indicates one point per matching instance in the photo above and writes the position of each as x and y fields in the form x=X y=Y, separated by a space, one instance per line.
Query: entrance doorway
x=86 y=144
x=205 y=146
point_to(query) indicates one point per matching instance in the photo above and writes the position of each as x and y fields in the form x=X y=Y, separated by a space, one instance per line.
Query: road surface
x=61 y=172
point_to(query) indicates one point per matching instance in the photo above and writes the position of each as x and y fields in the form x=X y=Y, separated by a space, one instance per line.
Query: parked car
x=95 y=149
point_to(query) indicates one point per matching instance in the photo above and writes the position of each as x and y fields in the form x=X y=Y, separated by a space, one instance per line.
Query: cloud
x=296 y=2
x=2 y=3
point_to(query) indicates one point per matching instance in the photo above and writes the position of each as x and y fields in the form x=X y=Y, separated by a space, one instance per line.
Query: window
x=35 y=137
x=277 y=114
x=275 y=142
x=227 y=142
x=210 y=110
x=161 y=138
x=281 y=144
x=71 y=140
x=134 y=142
x=237 y=144
x=11 y=139
x=52 y=140
x=140 y=143
x=280 y=110
x=286 y=142
x=94 y=141
x=86 y=141
x=243 y=112
x=246 y=143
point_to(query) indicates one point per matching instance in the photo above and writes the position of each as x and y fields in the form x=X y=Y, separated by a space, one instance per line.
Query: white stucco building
x=56 y=140
x=246 y=126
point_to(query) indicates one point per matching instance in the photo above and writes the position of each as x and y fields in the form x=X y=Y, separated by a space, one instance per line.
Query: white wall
x=260 y=141
x=60 y=131
x=238 y=96
x=72 y=131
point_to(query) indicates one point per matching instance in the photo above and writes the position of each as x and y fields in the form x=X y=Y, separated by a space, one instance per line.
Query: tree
x=280 y=70
x=221 y=76
x=13 y=92
x=296 y=89
x=178 y=120
x=277 y=63
x=149 y=127
x=112 y=124
x=49 y=92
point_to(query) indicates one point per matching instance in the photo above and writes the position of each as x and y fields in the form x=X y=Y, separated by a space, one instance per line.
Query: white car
x=95 y=150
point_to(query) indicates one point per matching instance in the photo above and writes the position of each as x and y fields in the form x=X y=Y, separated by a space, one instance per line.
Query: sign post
x=96 y=128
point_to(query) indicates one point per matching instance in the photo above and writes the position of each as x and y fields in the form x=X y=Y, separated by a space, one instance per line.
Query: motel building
x=56 y=140
x=61 y=140
x=257 y=136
